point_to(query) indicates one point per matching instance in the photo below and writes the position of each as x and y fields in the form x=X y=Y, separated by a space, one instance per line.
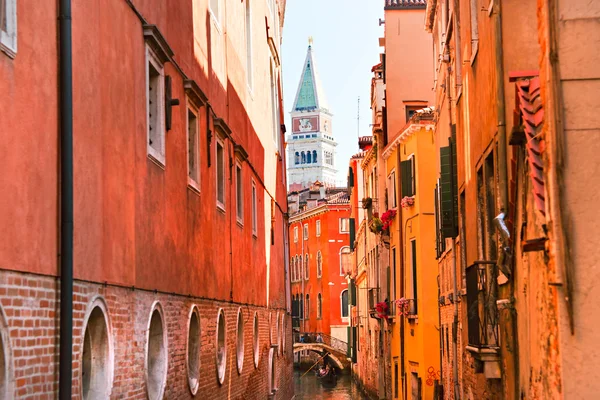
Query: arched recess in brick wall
x=6 y=366
x=271 y=371
x=240 y=340
x=221 y=346
x=97 y=357
x=255 y=346
x=156 y=353
x=193 y=350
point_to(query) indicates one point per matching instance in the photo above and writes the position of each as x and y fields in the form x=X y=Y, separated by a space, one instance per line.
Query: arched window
x=240 y=341
x=307 y=308
x=314 y=156
x=319 y=306
x=344 y=254
x=344 y=299
x=193 y=350
x=297 y=158
x=299 y=266
x=319 y=264
x=301 y=306
x=308 y=157
x=303 y=157
x=306 y=269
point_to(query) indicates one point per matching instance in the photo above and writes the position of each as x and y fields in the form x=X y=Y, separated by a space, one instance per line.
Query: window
x=239 y=192
x=412 y=281
x=319 y=264
x=309 y=157
x=255 y=347
x=318 y=228
x=297 y=158
x=155 y=86
x=215 y=9
x=220 y=175
x=193 y=351
x=314 y=154
x=248 y=44
x=303 y=157
x=305 y=231
x=474 y=27
x=486 y=209
x=156 y=354
x=408 y=177
x=344 y=303
x=344 y=258
x=8 y=27
x=295 y=234
x=96 y=362
x=193 y=150
x=394 y=275
x=395 y=379
x=392 y=189
x=254 y=210
x=319 y=306
x=344 y=225
x=240 y=341
x=411 y=110
x=307 y=307
x=275 y=109
x=221 y=351
x=306 y=269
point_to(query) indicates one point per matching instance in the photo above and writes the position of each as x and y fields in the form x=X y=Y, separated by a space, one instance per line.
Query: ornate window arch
x=306 y=267
x=319 y=264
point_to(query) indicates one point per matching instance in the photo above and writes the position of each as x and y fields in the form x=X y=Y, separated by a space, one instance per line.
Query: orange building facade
x=318 y=253
x=179 y=230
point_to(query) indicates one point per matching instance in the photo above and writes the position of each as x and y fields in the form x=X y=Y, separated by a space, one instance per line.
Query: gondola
x=327 y=377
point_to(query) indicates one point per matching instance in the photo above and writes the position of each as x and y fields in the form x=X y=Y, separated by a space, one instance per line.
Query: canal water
x=309 y=388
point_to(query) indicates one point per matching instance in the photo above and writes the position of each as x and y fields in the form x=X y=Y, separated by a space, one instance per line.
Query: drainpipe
x=66 y=202
x=401 y=270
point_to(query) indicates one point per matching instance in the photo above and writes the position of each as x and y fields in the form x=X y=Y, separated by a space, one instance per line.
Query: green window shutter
x=349 y=348
x=437 y=223
x=413 y=178
x=352 y=233
x=448 y=192
x=350 y=179
x=352 y=293
x=405 y=170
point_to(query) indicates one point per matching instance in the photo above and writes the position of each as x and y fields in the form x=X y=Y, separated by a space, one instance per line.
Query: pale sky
x=345 y=46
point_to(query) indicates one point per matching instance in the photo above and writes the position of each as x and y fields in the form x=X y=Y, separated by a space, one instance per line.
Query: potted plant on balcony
x=367 y=202
x=407 y=201
x=376 y=226
x=403 y=305
x=382 y=310
x=387 y=219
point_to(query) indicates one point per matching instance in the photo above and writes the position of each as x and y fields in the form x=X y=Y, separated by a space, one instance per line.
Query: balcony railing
x=482 y=313
x=313 y=337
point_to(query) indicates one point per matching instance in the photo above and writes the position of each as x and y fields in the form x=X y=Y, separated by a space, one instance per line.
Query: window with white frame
x=275 y=106
x=344 y=225
x=295 y=234
x=239 y=194
x=319 y=264
x=344 y=303
x=305 y=231
x=344 y=253
x=220 y=170
x=392 y=189
x=193 y=149
x=318 y=228
x=249 y=44
x=319 y=306
x=254 y=210
x=215 y=9
x=8 y=27
x=155 y=87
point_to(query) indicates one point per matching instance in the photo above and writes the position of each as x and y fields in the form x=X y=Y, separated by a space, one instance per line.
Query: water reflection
x=309 y=388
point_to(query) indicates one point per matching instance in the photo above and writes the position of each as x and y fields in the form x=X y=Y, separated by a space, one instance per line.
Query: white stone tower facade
x=310 y=145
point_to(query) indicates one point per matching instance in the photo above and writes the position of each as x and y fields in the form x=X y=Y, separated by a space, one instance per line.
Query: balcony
x=482 y=316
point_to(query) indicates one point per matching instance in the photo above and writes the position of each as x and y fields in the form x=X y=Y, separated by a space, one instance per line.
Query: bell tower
x=311 y=145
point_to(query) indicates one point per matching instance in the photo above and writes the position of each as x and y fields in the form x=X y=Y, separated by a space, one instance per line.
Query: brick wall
x=30 y=307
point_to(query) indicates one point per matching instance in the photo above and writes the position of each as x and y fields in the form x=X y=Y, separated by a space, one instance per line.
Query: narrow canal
x=309 y=388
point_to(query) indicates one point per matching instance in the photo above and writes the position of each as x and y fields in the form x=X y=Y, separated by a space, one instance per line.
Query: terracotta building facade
x=180 y=280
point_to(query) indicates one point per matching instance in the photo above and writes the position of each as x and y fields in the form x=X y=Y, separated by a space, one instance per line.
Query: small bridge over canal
x=337 y=349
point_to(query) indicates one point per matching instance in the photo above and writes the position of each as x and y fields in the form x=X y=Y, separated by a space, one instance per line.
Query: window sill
x=484 y=353
x=413 y=319
x=156 y=159
x=8 y=50
x=474 y=51
x=221 y=207
x=193 y=185
x=215 y=21
x=240 y=222
x=254 y=235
